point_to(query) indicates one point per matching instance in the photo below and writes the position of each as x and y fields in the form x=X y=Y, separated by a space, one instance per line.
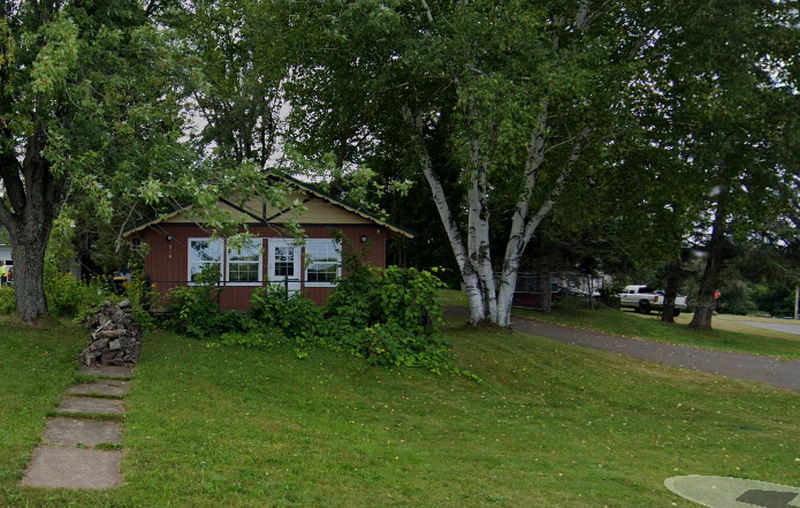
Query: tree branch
x=545 y=208
x=6 y=217
x=428 y=12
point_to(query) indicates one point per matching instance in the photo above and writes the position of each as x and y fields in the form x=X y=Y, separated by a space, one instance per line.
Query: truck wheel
x=676 y=313
x=644 y=308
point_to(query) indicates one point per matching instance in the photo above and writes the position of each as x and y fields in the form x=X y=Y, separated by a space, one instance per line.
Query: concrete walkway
x=69 y=457
x=764 y=369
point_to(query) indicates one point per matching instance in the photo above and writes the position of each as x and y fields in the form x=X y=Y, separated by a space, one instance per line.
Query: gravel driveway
x=765 y=369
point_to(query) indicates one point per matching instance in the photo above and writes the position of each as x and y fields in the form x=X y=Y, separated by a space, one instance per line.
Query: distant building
x=6 y=252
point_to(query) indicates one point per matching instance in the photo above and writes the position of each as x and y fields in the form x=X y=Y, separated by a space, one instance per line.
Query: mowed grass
x=729 y=333
x=36 y=365
x=551 y=425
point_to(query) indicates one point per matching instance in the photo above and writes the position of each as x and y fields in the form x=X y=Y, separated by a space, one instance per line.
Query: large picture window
x=323 y=262
x=244 y=264
x=204 y=254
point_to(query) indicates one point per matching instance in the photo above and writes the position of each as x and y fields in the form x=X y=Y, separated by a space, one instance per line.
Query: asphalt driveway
x=777 y=327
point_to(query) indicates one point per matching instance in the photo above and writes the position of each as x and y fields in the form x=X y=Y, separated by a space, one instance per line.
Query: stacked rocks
x=115 y=337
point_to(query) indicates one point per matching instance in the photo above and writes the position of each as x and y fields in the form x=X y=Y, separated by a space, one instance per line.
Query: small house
x=180 y=248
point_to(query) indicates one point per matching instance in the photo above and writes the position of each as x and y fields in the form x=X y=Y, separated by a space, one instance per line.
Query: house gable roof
x=358 y=214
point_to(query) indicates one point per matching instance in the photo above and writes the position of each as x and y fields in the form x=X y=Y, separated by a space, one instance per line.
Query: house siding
x=167 y=261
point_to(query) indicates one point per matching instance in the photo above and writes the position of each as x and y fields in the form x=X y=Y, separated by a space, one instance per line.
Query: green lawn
x=551 y=425
x=36 y=365
x=729 y=334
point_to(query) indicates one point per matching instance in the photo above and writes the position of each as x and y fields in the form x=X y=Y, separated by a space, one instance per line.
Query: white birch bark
x=470 y=278
x=519 y=218
x=478 y=244
x=523 y=226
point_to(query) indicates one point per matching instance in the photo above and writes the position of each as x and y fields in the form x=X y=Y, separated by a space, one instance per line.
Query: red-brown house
x=180 y=247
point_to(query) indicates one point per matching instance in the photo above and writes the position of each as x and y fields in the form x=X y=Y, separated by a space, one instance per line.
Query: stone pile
x=115 y=337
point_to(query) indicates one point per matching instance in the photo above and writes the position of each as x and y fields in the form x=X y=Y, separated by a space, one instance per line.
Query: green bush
x=194 y=310
x=141 y=294
x=293 y=314
x=68 y=296
x=389 y=317
x=8 y=300
x=405 y=296
x=386 y=316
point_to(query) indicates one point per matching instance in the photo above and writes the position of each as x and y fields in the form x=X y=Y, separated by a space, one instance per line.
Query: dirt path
x=764 y=369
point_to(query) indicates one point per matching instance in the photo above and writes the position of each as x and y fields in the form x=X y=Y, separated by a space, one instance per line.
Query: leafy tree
x=238 y=53
x=519 y=93
x=727 y=93
x=88 y=112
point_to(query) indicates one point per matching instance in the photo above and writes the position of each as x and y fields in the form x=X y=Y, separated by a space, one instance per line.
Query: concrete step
x=91 y=405
x=72 y=468
x=109 y=387
x=72 y=432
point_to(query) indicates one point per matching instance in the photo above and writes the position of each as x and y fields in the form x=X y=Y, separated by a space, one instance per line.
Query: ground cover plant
x=726 y=337
x=551 y=425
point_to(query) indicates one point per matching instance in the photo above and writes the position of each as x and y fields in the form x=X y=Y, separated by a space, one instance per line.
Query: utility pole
x=797 y=301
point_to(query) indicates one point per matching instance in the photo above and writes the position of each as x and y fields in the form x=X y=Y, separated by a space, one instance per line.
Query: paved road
x=765 y=369
x=777 y=327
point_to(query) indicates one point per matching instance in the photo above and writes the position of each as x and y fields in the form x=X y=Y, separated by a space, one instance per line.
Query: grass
x=551 y=425
x=730 y=332
x=36 y=365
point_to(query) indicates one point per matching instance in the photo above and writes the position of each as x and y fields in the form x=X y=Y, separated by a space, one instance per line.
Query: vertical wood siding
x=167 y=261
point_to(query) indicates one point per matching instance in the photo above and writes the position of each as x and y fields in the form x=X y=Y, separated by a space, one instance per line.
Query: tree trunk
x=32 y=201
x=29 y=276
x=472 y=286
x=671 y=292
x=704 y=306
x=478 y=243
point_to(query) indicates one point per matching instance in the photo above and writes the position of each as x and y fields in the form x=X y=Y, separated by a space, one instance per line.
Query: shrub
x=141 y=294
x=293 y=314
x=386 y=316
x=194 y=310
x=389 y=317
x=405 y=296
x=68 y=296
x=8 y=300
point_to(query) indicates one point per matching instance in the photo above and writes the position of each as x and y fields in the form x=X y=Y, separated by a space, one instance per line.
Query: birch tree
x=522 y=91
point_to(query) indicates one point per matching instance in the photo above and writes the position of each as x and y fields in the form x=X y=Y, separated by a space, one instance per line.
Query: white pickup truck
x=644 y=299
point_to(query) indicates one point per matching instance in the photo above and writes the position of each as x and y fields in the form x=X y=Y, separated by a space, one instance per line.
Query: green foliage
x=194 y=310
x=141 y=294
x=387 y=316
x=292 y=314
x=69 y=296
x=8 y=303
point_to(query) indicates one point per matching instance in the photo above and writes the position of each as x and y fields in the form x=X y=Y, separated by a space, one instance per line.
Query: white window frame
x=309 y=261
x=260 y=244
x=283 y=242
x=189 y=262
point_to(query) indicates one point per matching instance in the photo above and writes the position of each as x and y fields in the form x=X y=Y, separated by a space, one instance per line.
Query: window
x=244 y=265
x=323 y=263
x=284 y=261
x=204 y=254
